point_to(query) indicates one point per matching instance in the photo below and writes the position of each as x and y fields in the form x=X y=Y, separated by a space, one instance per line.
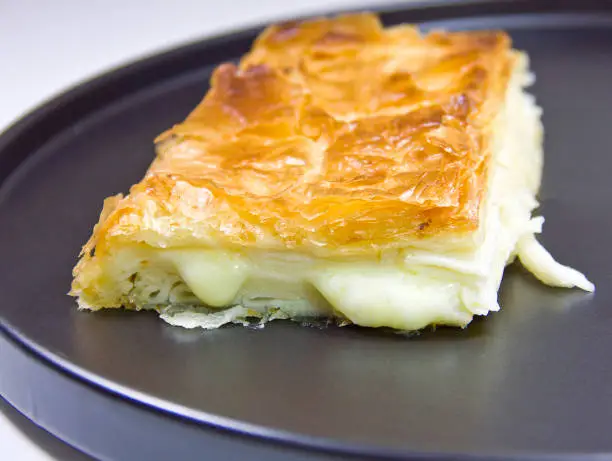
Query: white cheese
x=214 y=276
x=383 y=297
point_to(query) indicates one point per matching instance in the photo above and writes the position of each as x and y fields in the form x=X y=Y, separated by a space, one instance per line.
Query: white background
x=47 y=46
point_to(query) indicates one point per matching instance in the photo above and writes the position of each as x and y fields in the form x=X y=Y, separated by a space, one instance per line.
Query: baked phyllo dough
x=341 y=170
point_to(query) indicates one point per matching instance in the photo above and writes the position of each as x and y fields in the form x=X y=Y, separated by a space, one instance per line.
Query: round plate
x=534 y=379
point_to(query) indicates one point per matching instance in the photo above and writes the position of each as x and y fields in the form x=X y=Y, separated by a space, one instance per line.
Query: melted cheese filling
x=406 y=289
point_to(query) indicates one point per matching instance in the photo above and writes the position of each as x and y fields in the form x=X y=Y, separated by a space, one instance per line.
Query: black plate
x=534 y=379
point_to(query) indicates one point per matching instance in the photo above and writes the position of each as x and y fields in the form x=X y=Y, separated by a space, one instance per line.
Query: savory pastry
x=342 y=170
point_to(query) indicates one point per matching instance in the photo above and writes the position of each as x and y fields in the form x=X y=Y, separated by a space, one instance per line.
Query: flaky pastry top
x=334 y=134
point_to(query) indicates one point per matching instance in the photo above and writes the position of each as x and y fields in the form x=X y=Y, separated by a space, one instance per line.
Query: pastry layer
x=342 y=170
x=334 y=136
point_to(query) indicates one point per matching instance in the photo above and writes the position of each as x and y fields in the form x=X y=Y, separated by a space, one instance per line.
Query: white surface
x=47 y=46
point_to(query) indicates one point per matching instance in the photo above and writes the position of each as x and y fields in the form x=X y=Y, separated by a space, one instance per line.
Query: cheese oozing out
x=406 y=289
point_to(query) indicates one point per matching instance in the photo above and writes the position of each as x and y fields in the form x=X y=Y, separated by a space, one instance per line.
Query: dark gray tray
x=530 y=382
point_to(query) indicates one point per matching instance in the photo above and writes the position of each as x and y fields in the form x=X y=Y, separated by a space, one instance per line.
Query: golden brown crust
x=332 y=133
